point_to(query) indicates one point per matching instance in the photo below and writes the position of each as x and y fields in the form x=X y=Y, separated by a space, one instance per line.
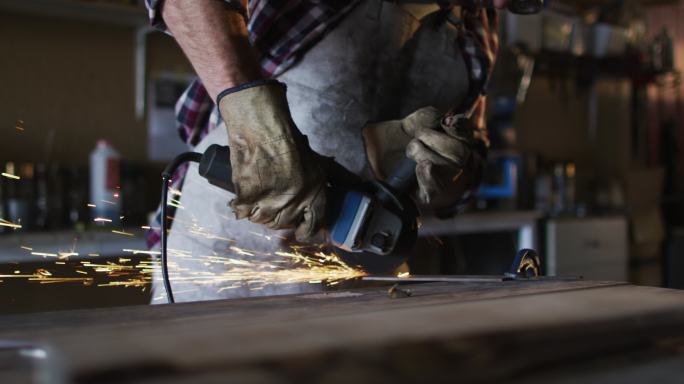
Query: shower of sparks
x=232 y=267
x=10 y=176
x=226 y=272
x=5 y=223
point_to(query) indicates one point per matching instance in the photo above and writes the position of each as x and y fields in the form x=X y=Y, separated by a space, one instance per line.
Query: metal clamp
x=526 y=265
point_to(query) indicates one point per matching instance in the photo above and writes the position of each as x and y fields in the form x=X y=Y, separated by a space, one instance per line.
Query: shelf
x=479 y=222
x=76 y=10
x=587 y=68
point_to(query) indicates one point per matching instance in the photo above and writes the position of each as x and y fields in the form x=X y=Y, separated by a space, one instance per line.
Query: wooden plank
x=485 y=333
x=341 y=301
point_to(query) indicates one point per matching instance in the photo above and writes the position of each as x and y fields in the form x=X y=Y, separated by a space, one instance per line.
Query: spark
x=66 y=255
x=403 y=274
x=108 y=202
x=53 y=280
x=44 y=254
x=26 y=248
x=241 y=251
x=93 y=254
x=122 y=233
x=15 y=276
x=146 y=227
x=141 y=251
x=102 y=220
x=92 y=205
x=5 y=223
x=10 y=176
x=269 y=238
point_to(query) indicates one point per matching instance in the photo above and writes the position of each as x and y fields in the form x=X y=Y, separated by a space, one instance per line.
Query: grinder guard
x=356 y=246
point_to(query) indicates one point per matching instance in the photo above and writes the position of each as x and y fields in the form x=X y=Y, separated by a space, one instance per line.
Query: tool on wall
x=372 y=226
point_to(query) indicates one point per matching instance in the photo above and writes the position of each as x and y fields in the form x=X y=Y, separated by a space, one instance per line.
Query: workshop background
x=585 y=115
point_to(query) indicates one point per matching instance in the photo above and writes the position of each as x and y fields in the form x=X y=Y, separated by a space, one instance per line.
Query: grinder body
x=373 y=227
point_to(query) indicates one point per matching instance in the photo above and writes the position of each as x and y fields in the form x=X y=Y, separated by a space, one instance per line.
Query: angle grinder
x=373 y=225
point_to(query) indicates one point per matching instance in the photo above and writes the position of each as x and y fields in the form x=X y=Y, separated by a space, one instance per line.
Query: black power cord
x=166 y=177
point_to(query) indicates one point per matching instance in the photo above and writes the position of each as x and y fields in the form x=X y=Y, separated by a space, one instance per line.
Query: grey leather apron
x=382 y=61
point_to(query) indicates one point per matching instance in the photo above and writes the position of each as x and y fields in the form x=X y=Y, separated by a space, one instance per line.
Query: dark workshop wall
x=670 y=16
x=72 y=82
x=554 y=122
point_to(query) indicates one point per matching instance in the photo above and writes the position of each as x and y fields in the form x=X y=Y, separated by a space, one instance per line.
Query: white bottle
x=105 y=199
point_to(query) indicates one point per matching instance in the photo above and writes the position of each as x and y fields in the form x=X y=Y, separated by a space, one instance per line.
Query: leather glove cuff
x=242 y=87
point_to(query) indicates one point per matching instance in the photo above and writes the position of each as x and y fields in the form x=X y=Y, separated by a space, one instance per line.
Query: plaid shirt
x=282 y=30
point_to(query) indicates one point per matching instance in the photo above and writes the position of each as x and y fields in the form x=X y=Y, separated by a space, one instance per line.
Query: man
x=346 y=64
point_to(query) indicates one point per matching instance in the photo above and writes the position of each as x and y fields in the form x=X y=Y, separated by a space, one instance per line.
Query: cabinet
x=594 y=248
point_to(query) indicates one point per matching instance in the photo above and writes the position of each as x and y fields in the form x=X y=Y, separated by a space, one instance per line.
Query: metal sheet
x=436 y=278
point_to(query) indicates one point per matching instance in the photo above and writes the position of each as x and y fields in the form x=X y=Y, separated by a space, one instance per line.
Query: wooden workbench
x=482 y=332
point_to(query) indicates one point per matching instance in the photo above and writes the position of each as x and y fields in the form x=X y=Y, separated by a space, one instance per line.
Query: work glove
x=277 y=182
x=446 y=164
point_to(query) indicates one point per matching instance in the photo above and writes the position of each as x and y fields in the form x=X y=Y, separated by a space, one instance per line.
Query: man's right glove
x=446 y=166
x=277 y=181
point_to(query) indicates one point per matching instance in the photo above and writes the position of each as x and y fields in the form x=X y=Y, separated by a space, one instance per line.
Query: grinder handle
x=215 y=167
x=403 y=178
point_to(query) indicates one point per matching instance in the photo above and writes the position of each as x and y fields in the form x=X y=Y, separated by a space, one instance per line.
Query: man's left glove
x=446 y=166
x=277 y=181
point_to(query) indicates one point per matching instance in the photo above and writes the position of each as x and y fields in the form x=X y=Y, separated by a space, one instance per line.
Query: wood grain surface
x=485 y=332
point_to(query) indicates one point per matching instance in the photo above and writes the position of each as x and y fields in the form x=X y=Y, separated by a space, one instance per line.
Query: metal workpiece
x=458 y=279
x=526 y=266
x=435 y=279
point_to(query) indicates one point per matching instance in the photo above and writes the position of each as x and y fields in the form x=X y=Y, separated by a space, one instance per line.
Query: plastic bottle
x=105 y=200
